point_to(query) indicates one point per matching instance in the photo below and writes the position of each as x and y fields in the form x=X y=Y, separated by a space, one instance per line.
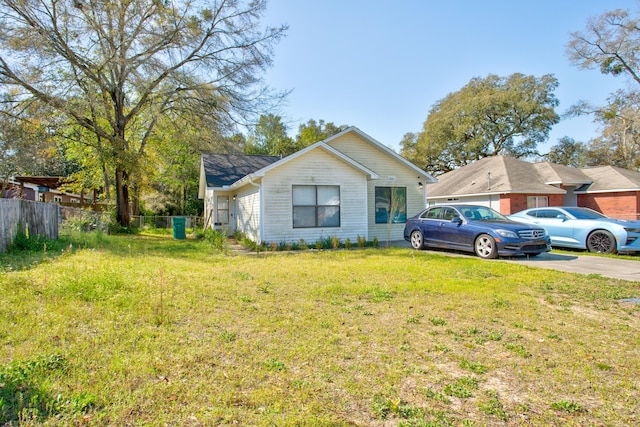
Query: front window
x=316 y=206
x=391 y=205
x=537 y=202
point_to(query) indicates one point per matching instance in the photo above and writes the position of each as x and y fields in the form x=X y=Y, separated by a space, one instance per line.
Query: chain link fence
x=144 y=221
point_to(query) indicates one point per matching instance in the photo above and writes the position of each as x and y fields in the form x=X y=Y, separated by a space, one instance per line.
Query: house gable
x=314 y=147
x=394 y=172
x=316 y=167
x=368 y=151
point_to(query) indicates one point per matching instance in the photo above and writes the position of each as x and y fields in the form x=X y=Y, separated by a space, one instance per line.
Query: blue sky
x=380 y=66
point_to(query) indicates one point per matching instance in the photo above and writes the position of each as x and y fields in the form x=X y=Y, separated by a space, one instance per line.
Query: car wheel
x=485 y=247
x=417 y=241
x=601 y=242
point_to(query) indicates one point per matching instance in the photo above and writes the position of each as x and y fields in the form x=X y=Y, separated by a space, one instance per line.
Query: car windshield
x=584 y=213
x=481 y=213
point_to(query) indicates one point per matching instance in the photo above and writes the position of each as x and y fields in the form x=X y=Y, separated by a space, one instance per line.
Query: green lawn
x=147 y=330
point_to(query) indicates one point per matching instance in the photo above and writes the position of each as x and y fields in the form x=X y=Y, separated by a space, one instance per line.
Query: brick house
x=614 y=191
x=510 y=185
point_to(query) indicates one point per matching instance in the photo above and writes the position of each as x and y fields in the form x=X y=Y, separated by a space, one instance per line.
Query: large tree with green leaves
x=569 y=152
x=28 y=140
x=487 y=117
x=114 y=68
x=313 y=131
x=269 y=136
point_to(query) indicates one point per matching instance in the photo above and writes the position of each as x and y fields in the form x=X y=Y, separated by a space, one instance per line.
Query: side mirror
x=563 y=217
x=456 y=220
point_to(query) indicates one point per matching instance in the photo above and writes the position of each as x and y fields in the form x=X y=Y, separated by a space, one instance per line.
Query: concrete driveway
x=570 y=263
x=584 y=264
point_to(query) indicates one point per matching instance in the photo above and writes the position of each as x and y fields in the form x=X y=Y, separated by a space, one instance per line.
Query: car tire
x=485 y=247
x=417 y=240
x=601 y=242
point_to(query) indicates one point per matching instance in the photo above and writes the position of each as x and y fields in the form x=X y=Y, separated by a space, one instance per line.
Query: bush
x=215 y=238
x=24 y=242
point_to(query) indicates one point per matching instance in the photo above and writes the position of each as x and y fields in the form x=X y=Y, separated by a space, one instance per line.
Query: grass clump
x=437 y=321
x=475 y=367
x=567 y=406
x=493 y=406
x=384 y=408
x=462 y=387
x=26 y=391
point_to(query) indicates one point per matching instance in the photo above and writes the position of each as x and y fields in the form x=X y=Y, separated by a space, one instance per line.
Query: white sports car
x=583 y=228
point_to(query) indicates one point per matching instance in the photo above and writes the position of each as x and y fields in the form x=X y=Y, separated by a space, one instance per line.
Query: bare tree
x=115 y=67
x=610 y=43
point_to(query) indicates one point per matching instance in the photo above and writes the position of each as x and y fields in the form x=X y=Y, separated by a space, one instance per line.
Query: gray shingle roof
x=554 y=173
x=225 y=169
x=491 y=175
x=503 y=174
x=610 y=178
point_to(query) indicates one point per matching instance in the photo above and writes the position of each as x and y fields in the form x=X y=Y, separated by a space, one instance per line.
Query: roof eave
x=615 y=190
x=496 y=193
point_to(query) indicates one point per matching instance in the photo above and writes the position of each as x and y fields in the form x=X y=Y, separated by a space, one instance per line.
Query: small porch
x=220 y=213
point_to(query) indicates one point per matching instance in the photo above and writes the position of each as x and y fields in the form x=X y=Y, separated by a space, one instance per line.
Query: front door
x=222 y=211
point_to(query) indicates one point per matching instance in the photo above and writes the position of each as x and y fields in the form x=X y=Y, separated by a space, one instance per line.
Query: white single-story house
x=345 y=186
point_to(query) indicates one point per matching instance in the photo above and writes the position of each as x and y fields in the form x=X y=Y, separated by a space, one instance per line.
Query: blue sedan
x=476 y=229
x=583 y=228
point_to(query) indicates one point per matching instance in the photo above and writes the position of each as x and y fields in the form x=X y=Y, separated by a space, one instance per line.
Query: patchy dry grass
x=145 y=330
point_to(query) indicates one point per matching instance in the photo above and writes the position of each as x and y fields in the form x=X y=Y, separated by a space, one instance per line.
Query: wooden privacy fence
x=28 y=217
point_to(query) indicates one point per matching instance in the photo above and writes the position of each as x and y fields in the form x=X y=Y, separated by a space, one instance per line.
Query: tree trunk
x=107 y=182
x=122 y=200
x=135 y=201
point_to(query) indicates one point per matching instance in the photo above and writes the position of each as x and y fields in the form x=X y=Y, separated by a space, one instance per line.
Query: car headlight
x=507 y=233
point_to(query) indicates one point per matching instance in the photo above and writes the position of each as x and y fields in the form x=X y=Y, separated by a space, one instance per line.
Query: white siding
x=393 y=173
x=247 y=211
x=314 y=168
x=208 y=207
